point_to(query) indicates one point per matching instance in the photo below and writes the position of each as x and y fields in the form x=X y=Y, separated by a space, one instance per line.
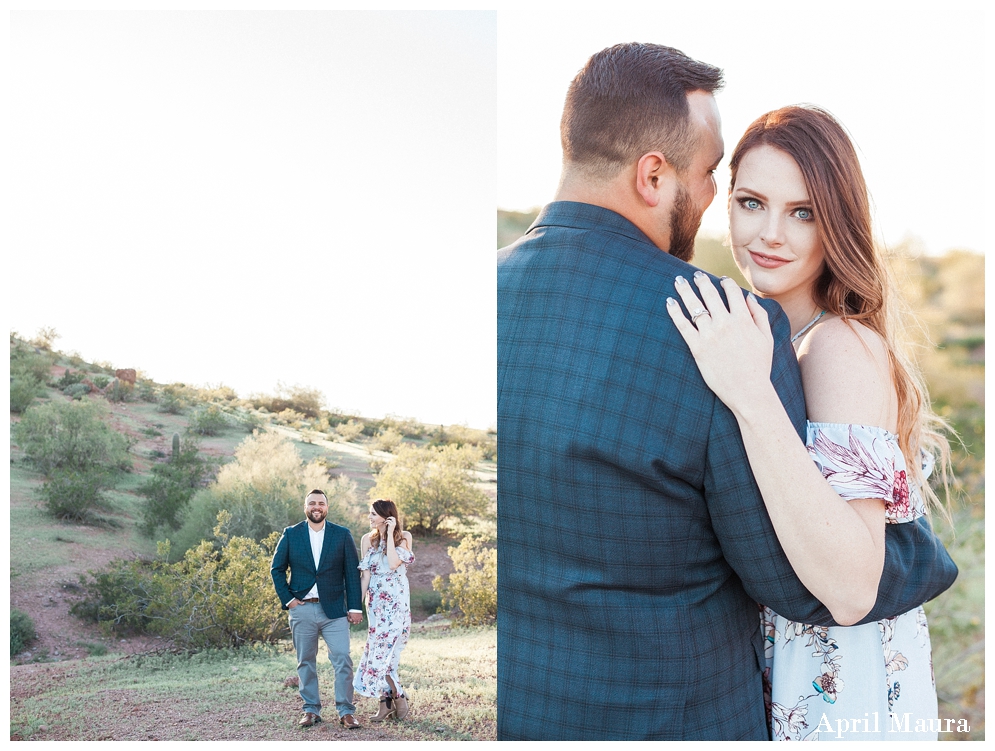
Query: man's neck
x=615 y=195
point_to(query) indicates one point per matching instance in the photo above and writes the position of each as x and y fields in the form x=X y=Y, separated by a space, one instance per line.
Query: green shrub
x=388 y=439
x=169 y=489
x=45 y=338
x=73 y=495
x=431 y=485
x=291 y=418
x=349 y=431
x=171 y=401
x=308 y=401
x=219 y=595
x=120 y=391
x=70 y=379
x=23 y=390
x=250 y=421
x=22 y=631
x=209 y=420
x=406 y=426
x=101 y=381
x=25 y=360
x=461 y=435
x=146 y=391
x=470 y=592
x=70 y=436
x=263 y=488
x=76 y=390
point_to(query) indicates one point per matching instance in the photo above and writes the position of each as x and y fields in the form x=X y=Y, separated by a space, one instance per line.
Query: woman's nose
x=773 y=231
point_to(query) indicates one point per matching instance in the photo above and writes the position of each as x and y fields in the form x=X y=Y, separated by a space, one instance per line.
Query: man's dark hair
x=316 y=491
x=631 y=99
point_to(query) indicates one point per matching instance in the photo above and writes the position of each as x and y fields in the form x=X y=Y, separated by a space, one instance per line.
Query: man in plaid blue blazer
x=634 y=543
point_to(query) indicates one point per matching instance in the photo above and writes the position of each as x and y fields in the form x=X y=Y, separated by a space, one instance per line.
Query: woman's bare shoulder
x=846 y=373
x=407 y=538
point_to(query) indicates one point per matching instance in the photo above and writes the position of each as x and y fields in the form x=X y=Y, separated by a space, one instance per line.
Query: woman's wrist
x=754 y=404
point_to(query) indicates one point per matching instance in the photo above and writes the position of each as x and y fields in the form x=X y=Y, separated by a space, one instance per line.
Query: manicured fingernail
x=680 y=280
x=671 y=302
x=751 y=296
x=723 y=278
x=699 y=274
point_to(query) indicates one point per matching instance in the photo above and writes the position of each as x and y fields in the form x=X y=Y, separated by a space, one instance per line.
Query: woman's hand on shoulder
x=733 y=347
x=846 y=374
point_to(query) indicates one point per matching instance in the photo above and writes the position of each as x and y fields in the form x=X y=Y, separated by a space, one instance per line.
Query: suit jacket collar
x=587 y=216
x=325 y=542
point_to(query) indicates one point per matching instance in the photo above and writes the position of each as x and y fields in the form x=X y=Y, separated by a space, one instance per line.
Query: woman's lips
x=767 y=262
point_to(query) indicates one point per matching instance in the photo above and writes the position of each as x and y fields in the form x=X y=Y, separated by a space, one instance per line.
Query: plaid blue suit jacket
x=634 y=543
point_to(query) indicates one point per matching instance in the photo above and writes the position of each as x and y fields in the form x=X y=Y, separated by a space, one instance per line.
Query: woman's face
x=775 y=241
x=376 y=521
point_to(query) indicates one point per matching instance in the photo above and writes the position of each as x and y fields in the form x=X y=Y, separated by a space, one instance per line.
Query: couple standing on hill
x=325 y=580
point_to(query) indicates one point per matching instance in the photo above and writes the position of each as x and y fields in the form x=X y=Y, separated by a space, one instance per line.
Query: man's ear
x=654 y=178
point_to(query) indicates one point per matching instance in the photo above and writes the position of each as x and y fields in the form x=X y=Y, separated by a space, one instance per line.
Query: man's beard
x=317 y=512
x=684 y=223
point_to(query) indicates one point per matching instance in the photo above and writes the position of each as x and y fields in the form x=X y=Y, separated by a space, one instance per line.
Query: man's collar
x=312 y=529
x=587 y=216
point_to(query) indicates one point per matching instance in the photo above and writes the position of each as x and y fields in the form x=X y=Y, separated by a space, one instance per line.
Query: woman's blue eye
x=750 y=203
x=804 y=214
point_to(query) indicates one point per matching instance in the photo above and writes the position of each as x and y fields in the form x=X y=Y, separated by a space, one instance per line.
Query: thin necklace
x=808 y=325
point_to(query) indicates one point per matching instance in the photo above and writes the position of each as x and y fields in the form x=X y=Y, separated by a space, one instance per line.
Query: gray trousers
x=307 y=621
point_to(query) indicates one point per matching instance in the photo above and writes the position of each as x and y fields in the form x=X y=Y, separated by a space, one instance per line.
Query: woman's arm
x=364 y=584
x=364 y=578
x=393 y=560
x=836 y=548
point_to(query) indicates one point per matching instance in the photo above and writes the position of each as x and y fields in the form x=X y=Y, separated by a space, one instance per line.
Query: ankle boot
x=400 y=705
x=387 y=710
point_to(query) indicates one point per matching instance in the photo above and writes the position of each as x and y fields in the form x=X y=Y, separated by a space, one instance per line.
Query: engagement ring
x=698 y=314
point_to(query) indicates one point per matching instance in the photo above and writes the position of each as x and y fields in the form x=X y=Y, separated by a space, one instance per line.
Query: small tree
x=263 y=489
x=70 y=436
x=45 y=338
x=349 y=431
x=431 y=485
x=388 y=439
x=470 y=591
x=170 y=487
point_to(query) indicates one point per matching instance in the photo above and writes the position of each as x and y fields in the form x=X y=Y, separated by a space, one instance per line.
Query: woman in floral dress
x=800 y=232
x=386 y=554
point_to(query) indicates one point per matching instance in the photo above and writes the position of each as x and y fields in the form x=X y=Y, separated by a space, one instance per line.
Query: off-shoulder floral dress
x=867 y=682
x=389 y=611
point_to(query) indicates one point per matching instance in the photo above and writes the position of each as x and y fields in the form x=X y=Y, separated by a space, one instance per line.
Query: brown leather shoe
x=309 y=719
x=349 y=722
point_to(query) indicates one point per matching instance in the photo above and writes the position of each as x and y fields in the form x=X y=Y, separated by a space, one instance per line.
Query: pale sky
x=247 y=197
x=907 y=80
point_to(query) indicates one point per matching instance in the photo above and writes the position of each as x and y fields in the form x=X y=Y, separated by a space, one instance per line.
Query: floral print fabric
x=389 y=612
x=867 y=682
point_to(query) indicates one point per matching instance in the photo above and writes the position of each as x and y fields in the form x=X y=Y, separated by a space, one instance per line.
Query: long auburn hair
x=385 y=508
x=854 y=283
